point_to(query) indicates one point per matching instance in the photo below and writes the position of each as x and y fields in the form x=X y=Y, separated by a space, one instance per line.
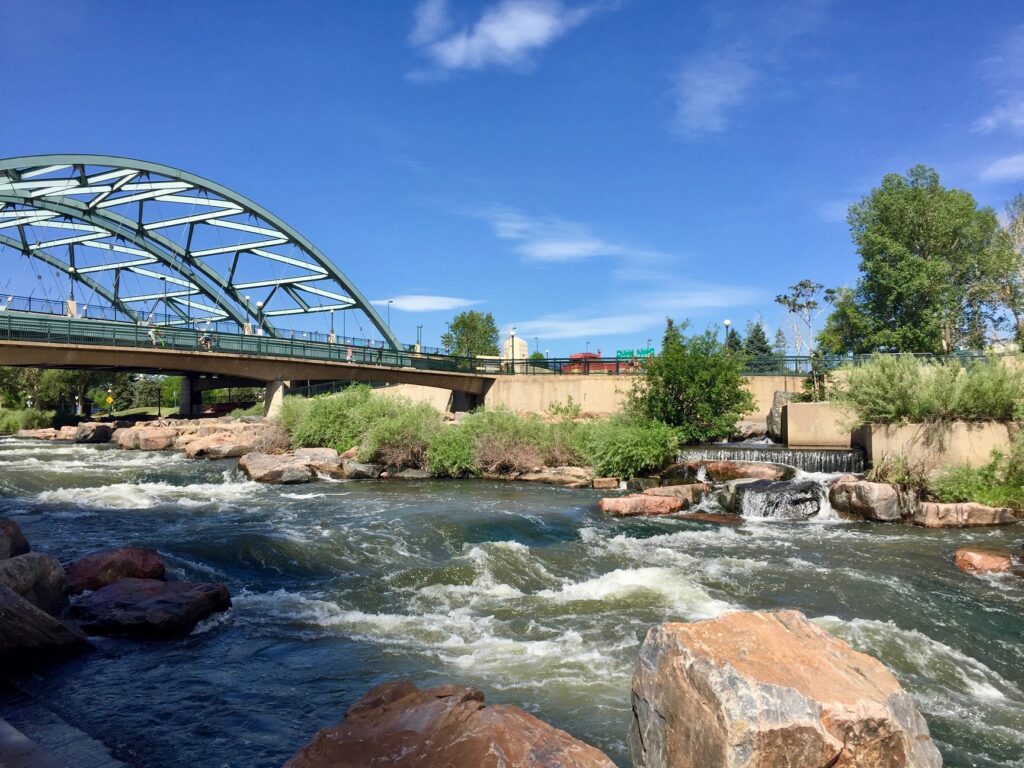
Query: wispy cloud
x=1010 y=168
x=1005 y=74
x=645 y=313
x=711 y=87
x=507 y=34
x=551 y=240
x=422 y=303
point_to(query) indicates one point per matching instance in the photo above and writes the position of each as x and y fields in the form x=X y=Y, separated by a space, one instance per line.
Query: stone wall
x=818 y=425
x=932 y=447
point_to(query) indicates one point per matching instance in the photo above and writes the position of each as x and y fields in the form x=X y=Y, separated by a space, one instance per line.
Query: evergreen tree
x=733 y=341
x=779 y=346
x=757 y=349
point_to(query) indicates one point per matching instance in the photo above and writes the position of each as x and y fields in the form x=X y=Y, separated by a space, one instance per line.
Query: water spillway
x=827 y=460
x=525 y=591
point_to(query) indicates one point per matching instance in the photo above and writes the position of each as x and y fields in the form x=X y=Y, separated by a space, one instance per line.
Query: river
x=525 y=591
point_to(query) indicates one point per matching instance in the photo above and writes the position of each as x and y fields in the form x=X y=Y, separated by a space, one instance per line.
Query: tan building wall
x=818 y=425
x=933 y=447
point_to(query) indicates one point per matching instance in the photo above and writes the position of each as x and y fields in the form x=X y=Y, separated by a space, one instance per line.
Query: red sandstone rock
x=640 y=504
x=28 y=634
x=570 y=477
x=730 y=470
x=12 y=540
x=400 y=726
x=766 y=690
x=983 y=559
x=881 y=502
x=931 y=514
x=282 y=470
x=149 y=608
x=687 y=494
x=605 y=483
x=707 y=517
x=146 y=438
x=96 y=571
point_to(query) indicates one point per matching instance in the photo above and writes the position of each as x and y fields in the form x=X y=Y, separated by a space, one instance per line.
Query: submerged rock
x=767 y=689
x=12 y=540
x=639 y=504
x=880 y=502
x=784 y=499
x=721 y=471
x=710 y=517
x=30 y=634
x=149 y=608
x=932 y=514
x=99 y=569
x=983 y=559
x=38 y=578
x=401 y=726
x=283 y=470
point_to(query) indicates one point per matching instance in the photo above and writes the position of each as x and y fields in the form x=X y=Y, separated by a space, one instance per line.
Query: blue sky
x=580 y=169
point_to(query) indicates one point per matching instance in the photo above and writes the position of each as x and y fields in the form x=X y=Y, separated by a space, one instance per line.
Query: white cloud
x=646 y=312
x=507 y=34
x=553 y=240
x=421 y=303
x=1010 y=168
x=1004 y=72
x=708 y=89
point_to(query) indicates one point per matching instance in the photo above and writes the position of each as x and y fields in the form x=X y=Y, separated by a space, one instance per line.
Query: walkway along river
x=525 y=591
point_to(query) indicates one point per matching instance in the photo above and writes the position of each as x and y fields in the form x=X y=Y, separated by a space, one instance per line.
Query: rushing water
x=524 y=591
x=836 y=460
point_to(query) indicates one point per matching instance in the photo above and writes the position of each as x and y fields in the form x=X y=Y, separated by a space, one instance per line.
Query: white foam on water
x=302 y=496
x=150 y=495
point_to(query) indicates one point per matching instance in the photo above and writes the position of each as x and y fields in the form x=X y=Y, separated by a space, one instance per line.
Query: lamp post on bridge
x=512 y=348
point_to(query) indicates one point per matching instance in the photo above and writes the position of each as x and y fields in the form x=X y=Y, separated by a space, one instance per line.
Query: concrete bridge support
x=273 y=398
x=190 y=397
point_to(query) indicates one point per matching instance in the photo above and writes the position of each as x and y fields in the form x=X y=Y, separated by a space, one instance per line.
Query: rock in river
x=931 y=514
x=721 y=471
x=400 y=726
x=38 y=578
x=983 y=559
x=97 y=570
x=285 y=469
x=881 y=502
x=785 y=499
x=149 y=608
x=767 y=689
x=639 y=504
x=29 y=634
x=12 y=540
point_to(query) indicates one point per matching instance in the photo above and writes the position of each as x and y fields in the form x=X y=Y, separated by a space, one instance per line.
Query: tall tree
x=925 y=261
x=733 y=340
x=780 y=345
x=1006 y=273
x=472 y=333
x=803 y=303
x=757 y=349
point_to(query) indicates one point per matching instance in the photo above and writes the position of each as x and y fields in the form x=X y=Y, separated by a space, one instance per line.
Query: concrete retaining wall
x=933 y=447
x=433 y=396
x=818 y=425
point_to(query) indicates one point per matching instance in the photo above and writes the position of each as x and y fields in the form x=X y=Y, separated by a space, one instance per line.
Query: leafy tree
x=804 y=307
x=472 y=333
x=694 y=384
x=926 y=270
x=1006 y=272
x=146 y=391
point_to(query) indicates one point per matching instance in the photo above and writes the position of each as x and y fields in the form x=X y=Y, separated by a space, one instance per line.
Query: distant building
x=521 y=352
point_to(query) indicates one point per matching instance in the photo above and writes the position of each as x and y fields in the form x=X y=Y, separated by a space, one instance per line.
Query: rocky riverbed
x=525 y=591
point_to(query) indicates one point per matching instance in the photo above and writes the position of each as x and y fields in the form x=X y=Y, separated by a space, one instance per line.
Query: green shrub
x=999 y=483
x=253 y=410
x=624 y=446
x=334 y=421
x=12 y=420
x=400 y=440
x=293 y=412
x=451 y=453
x=504 y=442
x=900 y=389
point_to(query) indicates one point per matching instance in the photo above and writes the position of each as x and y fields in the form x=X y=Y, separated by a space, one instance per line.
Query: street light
x=727 y=322
x=390 y=302
x=259 y=315
x=512 y=348
x=71 y=283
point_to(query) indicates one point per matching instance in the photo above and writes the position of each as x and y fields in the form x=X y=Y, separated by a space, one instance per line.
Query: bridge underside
x=231 y=369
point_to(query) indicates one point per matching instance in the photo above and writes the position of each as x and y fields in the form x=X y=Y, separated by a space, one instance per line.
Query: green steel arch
x=107 y=219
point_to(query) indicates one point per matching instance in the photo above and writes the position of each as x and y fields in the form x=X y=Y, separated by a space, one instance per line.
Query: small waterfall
x=807 y=459
x=783 y=499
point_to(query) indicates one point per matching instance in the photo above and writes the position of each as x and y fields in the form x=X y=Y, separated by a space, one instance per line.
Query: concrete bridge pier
x=273 y=397
x=190 y=397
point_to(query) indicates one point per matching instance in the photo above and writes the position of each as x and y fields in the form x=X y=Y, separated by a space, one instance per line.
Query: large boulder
x=774 y=418
x=12 y=540
x=222 y=444
x=570 y=477
x=38 y=578
x=146 y=438
x=99 y=569
x=30 y=634
x=400 y=726
x=149 y=608
x=282 y=470
x=767 y=689
x=639 y=504
x=784 y=499
x=880 y=502
x=47 y=433
x=932 y=514
x=94 y=432
x=324 y=460
x=721 y=471
x=983 y=559
x=689 y=494
x=357 y=470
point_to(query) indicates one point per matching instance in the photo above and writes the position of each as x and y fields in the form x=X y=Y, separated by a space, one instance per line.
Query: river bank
x=522 y=590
